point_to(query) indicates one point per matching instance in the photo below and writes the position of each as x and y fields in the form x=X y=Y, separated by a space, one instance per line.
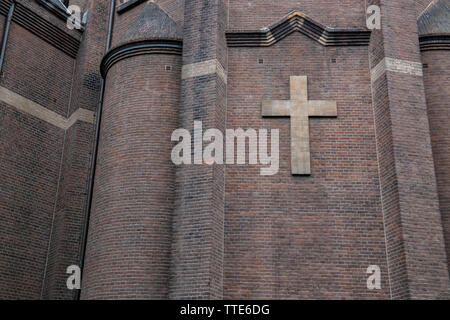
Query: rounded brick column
x=129 y=239
x=437 y=91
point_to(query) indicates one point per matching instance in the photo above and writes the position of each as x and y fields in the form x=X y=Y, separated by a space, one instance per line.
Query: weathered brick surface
x=30 y=154
x=123 y=21
x=50 y=16
x=128 y=253
x=39 y=72
x=260 y=13
x=378 y=193
x=70 y=212
x=174 y=8
x=36 y=70
x=437 y=90
x=314 y=236
x=197 y=253
x=415 y=245
x=2 y=26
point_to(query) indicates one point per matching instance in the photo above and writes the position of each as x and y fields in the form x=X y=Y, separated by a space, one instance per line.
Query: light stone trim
x=396 y=65
x=203 y=68
x=32 y=108
x=299 y=109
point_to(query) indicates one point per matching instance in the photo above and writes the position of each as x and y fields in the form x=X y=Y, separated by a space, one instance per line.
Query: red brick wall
x=260 y=13
x=128 y=253
x=30 y=154
x=122 y=22
x=38 y=71
x=210 y=232
x=437 y=89
x=304 y=237
x=415 y=244
x=198 y=227
x=72 y=196
x=174 y=8
x=31 y=159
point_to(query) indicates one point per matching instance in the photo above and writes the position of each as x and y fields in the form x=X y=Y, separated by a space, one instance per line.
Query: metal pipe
x=95 y=149
x=6 y=33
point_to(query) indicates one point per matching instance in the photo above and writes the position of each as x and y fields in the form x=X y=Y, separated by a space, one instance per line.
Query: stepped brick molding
x=297 y=21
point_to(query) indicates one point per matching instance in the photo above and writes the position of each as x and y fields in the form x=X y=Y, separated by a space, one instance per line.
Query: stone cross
x=299 y=109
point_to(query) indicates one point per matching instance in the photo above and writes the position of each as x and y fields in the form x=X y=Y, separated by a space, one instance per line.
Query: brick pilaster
x=70 y=210
x=414 y=238
x=197 y=252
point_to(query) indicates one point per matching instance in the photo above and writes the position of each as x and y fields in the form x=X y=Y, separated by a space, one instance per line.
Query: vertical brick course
x=197 y=251
x=415 y=245
x=437 y=89
x=70 y=212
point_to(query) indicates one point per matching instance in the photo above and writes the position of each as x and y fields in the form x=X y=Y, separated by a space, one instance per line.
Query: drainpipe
x=95 y=149
x=6 y=33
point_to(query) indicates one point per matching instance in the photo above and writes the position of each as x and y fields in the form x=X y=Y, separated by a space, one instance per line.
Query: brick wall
x=38 y=71
x=157 y=231
x=415 y=245
x=197 y=250
x=128 y=253
x=2 y=26
x=76 y=162
x=122 y=22
x=256 y=14
x=437 y=89
x=312 y=236
x=30 y=154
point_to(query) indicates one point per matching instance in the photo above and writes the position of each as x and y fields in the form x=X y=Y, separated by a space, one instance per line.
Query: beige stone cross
x=299 y=109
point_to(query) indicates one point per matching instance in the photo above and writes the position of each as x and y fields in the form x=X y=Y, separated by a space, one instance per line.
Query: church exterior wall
x=128 y=253
x=30 y=159
x=70 y=214
x=414 y=235
x=437 y=89
x=48 y=178
x=30 y=173
x=304 y=236
x=378 y=193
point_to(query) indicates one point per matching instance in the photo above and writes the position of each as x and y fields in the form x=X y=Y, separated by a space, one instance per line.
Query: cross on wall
x=299 y=109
